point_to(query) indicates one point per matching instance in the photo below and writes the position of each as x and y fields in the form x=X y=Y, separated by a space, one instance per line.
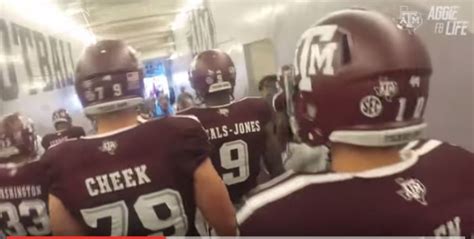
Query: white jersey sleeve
x=303 y=158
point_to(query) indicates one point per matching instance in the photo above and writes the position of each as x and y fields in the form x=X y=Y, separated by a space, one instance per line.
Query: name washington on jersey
x=58 y=141
x=20 y=191
x=117 y=181
x=237 y=129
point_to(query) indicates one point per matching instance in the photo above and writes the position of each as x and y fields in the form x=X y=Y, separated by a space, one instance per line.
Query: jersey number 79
x=118 y=212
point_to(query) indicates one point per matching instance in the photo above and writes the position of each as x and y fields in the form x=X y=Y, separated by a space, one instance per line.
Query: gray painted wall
x=450 y=110
x=41 y=105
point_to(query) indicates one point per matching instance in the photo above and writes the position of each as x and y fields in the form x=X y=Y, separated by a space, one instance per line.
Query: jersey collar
x=97 y=136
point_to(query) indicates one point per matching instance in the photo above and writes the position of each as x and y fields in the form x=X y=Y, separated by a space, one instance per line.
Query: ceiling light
x=173 y=56
x=264 y=13
x=48 y=15
x=180 y=19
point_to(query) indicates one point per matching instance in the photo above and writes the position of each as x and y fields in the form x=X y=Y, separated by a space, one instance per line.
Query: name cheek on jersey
x=237 y=129
x=116 y=181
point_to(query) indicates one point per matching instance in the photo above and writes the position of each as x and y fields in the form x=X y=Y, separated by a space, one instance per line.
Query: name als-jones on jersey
x=237 y=129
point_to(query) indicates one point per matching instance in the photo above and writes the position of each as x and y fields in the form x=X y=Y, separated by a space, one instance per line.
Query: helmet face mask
x=354 y=85
x=61 y=119
x=289 y=85
x=62 y=126
x=109 y=78
x=18 y=139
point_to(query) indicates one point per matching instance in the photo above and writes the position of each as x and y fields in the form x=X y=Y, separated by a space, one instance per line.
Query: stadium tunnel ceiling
x=144 y=24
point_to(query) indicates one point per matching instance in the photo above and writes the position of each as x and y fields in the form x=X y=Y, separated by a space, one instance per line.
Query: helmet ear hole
x=346 y=51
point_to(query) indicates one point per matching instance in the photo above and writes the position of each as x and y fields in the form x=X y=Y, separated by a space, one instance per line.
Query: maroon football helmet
x=212 y=71
x=17 y=138
x=360 y=79
x=109 y=77
x=61 y=115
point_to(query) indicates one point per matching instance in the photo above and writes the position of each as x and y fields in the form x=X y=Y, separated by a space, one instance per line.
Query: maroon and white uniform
x=24 y=199
x=430 y=193
x=135 y=181
x=61 y=136
x=236 y=132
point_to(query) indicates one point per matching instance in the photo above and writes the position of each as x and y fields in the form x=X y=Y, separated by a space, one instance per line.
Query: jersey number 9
x=234 y=155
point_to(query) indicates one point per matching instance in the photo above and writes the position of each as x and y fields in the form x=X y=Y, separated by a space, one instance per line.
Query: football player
x=64 y=129
x=268 y=87
x=362 y=87
x=241 y=132
x=297 y=157
x=131 y=178
x=23 y=185
x=185 y=99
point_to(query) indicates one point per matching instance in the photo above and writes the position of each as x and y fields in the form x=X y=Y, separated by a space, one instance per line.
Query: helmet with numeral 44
x=109 y=77
x=212 y=71
x=360 y=78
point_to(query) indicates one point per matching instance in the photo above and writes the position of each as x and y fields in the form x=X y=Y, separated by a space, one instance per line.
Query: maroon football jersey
x=236 y=132
x=429 y=193
x=134 y=181
x=60 y=137
x=24 y=199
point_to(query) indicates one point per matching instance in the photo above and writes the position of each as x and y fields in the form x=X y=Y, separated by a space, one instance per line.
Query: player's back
x=62 y=136
x=24 y=199
x=135 y=181
x=236 y=132
x=430 y=193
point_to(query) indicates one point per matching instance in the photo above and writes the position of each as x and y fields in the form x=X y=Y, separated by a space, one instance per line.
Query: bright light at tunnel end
x=47 y=14
x=180 y=19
